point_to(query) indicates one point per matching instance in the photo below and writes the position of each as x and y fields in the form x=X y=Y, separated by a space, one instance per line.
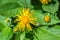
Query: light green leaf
x=6 y=33
x=20 y=36
x=26 y=39
x=47 y=34
x=40 y=18
x=2 y=22
x=52 y=8
x=55 y=30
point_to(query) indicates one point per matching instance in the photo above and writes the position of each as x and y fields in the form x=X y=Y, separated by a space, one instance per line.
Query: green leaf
x=11 y=12
x=2 y=22
x=55 y=30
x=26 y=39
x=22 y=3
x=20 y=36
x=40 y=18
x=6 y=33
x=52 y=8
x=54 y=19
x=25 y=3
x=2 y=2
x=9 y=6
x=28 y=4
x=46 y=33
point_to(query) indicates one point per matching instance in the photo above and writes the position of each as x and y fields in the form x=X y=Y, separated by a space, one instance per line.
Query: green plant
x=29 y=20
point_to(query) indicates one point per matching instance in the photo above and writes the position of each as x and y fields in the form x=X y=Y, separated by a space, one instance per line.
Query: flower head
x=47 y=18
x=45 y=1
x=24 y=20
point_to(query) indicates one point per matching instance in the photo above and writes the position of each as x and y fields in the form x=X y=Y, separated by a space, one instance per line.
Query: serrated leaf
x=11 y=12
x=22 y=3
x=6 y=33
x=55 y=30
x=20 y=36
x=2 y=22
x=28 y=4
x=9 y=6
x=25 y=3
x=52 y=8
x=2 y=2
x=46 y=34
x=40 y=18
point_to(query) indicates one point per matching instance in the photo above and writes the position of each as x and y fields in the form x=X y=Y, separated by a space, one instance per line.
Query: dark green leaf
x=11 y=12
x=52 y=8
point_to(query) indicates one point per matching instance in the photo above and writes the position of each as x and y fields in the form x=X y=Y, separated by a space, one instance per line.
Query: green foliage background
x=44 y=31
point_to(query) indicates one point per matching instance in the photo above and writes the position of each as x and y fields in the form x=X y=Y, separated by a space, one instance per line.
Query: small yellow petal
x=49 y=0
x=41 y=1
x=15 y=29
x=46 y=2
x=33 y=22
x=29 y=27
x=21 y=27
x=18 y=16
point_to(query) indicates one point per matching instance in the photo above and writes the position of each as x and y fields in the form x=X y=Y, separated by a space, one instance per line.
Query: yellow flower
x=24 y=20
x=45 y=1
x=47 y=18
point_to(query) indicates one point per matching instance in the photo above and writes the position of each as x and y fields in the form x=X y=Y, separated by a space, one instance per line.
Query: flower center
x=25 y=20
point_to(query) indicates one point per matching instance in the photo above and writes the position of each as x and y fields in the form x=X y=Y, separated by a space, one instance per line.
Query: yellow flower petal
x=49 y=0
x=29 y=27
x=45 y=1
x=21 y=27
x=15 y=29
x=26 y=11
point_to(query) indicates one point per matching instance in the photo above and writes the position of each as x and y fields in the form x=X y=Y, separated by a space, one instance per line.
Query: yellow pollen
x=25 y=20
